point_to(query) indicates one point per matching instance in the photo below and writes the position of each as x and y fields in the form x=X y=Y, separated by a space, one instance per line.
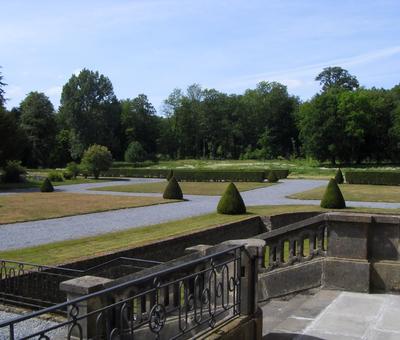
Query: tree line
x=344 y=122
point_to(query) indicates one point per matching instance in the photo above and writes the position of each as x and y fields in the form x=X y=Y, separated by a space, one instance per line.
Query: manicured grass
x=66 y=251
x=37 y=206
x=188 y=188
x=31 y=183
x=357 y=192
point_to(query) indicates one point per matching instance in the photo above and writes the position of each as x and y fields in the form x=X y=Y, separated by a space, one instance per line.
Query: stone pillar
x=347 y=265
x=251 y=261
x=76 y=288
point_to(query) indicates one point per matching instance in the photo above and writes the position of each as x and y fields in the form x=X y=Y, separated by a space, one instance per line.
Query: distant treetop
x=337 y=77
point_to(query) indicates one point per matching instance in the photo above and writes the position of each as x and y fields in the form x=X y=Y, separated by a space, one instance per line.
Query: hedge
x=198 y=175
x=373 y=177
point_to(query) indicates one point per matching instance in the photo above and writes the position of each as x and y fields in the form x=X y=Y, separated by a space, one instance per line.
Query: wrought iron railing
x=36 y=286
x=168 y=302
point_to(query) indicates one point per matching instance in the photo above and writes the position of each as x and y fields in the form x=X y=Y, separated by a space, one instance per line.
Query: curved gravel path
x=19 y=235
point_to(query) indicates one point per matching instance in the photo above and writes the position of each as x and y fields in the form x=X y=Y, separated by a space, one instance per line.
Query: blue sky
x=154 y=46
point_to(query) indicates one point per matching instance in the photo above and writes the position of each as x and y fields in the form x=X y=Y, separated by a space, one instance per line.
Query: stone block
x=350 y=275
x=385 y=276
x=348 y=239
x=384 y=241
x=290 y=279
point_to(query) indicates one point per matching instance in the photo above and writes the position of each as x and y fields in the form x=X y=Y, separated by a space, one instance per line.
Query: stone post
x=79 y=287
x=251 y=261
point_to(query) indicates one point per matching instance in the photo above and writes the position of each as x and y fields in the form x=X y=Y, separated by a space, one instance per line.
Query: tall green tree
x=139 y=123
x=38 y=122
x=2 y=92
x=322 y=127
x=91 y=112
x=337 y=77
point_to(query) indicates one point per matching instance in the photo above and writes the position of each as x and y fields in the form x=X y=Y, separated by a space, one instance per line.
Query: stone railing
x=356 y=252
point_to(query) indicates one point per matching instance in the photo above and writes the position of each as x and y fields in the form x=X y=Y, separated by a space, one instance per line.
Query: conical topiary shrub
x=333 y=198
x=173 y=190
x=231 y=203
x=272 y=177
x=170 y=175
x=339 y=177
x=46 y=186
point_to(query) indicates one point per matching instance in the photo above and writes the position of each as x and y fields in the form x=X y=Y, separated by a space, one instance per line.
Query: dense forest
x=344 y=122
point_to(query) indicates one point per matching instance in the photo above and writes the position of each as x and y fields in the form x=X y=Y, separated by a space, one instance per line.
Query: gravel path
x=19 y=235
x=29 y=326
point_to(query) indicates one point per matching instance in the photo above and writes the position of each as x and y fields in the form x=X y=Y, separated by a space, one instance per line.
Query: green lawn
x=37 y=205
x=357 y=192
x=31 y=183
x=188 y=188
x=66 y=251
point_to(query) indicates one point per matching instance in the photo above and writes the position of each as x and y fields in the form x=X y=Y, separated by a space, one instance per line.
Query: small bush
x=339 y=177
x=13 y=172
x=67 y=175
x=272 y=177
x=46 y=186
x=97 y=158
x=73 y=169
x=135 y=153
x=173 y=190
x=231 y=202
x=55 y=176
x=83 y=170
x=170 y=175
x=333 y=198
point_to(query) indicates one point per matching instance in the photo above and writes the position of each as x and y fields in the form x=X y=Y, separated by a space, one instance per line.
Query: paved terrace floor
x=332 y=315
x=19 y=235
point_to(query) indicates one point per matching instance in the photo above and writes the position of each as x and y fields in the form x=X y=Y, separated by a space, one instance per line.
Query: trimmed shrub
x=279 y=173
x=333 y=198
x=231 y=202
x=46 y=186
x=197 y=175
x=13 y=172
x=173 y=190
x=97 y=158
x=170 y=175
x=73 y=169
x=339 y=177
x=373 y=177
x=272 y=177
x=55 y=176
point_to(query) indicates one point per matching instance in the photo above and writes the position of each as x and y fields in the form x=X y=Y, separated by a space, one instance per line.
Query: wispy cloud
x=296 y=77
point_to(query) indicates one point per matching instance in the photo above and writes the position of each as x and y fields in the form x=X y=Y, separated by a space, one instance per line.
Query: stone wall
x=174 y=247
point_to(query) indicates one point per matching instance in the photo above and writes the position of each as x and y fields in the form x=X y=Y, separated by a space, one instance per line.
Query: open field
x=38 y=206
x=188 y=188
x=66 y=251
x=357 y=192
